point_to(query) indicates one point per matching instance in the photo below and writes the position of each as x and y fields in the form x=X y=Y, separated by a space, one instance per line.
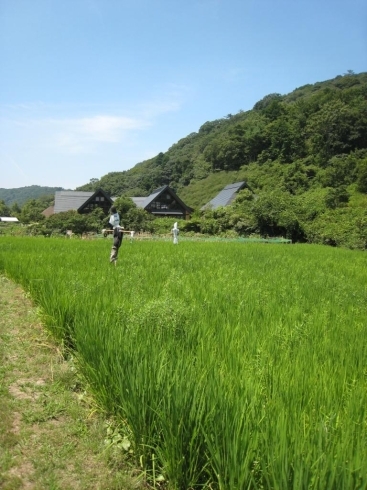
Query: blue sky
x=89 y=87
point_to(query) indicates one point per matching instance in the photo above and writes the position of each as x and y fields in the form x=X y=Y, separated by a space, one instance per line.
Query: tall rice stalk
x=231 y=366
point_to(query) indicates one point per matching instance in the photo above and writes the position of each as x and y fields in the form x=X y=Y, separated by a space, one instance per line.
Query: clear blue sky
x=89 y=87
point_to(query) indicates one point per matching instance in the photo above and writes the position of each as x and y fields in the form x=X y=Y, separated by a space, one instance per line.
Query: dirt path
x=51 y=436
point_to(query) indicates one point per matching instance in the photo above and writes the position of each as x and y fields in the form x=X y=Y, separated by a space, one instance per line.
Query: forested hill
x=315 y=136
x=21 y=195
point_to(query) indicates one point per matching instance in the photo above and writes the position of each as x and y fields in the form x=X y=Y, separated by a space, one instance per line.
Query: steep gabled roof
x=226 y=196
x=91 y=198
x=76 y=200
x=48 y=211
x=155 y=194
x=70 y=200
x=139 y=201
x=143 y=202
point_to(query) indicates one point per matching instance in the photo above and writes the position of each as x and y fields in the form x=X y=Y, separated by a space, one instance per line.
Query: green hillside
x=294 y=142
x=21 y=195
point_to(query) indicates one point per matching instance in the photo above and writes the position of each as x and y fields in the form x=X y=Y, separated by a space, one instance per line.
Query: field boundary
x=51 y=433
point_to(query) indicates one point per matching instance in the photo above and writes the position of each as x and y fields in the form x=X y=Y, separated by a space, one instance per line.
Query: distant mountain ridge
x=21 y=195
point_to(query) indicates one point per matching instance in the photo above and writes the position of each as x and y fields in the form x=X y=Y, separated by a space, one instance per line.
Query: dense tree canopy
x=4 y=209
x=306 y=128
x=21 y=195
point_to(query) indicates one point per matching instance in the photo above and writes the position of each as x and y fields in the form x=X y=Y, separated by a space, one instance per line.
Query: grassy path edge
x=51 y=436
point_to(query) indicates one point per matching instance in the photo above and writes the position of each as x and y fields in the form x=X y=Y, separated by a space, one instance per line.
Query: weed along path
x=51 y=436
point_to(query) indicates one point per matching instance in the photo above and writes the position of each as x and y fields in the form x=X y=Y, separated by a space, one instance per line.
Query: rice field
x=228 y=365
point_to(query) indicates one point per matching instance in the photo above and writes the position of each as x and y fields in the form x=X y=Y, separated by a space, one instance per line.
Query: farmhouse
x=164 y=202
x=226 y=196
x=161 y=202
x=82 y=202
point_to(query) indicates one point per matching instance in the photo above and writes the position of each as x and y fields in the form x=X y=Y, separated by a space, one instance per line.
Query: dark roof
x=98 y=191
x=48 y=211
x=155 y=194
x=226 y=196
x=139 y=201
x=70 y=200
x=75 y=200
x=143 y=202
x=166 y=212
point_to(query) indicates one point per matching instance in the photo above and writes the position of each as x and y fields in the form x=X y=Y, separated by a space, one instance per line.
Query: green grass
x=51 y=433
x=229 y=365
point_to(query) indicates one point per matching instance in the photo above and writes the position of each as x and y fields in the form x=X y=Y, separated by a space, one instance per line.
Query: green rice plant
x=231 y=365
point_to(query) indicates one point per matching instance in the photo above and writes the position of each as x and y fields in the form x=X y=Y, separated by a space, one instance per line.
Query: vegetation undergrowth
x=228 y=365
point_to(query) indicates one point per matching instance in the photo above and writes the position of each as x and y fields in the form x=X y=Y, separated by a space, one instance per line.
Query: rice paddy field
x=228 y=365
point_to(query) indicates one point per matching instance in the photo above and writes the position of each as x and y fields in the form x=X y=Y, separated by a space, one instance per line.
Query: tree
x=123 y=204
x=96 y=220
x=275 y=215
x=32 y=212
x=331 y=130
x=362 y=176
x=15 y=210
x=265 y=101
x=340 y=171
x=4 y=210
x=296 y=179
x=336 y=197
x=113 y=183
x=138 y=219
x=245 y=195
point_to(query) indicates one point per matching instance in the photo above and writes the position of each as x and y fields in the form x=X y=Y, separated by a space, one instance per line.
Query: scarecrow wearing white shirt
x=114 y=218
x=175 y=231
x=118 y=234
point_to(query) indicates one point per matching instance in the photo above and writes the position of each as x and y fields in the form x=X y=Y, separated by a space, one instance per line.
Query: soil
x=52 y=434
